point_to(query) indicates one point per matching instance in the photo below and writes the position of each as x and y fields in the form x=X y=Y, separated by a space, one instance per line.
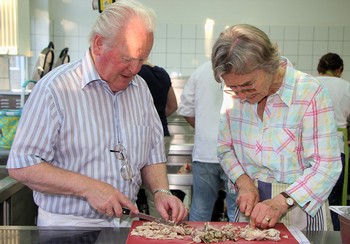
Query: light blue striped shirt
x=72 y=119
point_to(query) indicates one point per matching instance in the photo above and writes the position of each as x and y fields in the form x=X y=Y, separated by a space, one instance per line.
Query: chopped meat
x=251 y=234
x=208 y=234
x=154 y=230
x=211 y=234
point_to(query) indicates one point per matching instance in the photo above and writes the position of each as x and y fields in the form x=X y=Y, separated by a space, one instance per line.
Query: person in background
x=90 y=135
x=200 y=105
x=330 y=69
x=279 y=153
x=159 y=83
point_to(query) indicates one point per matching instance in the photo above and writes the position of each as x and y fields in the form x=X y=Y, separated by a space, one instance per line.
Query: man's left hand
x=170 y=207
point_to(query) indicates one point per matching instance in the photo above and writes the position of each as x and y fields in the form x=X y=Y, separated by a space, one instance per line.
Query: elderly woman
x=278 y=136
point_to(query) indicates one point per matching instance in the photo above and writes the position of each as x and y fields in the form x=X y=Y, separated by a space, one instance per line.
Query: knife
x=127 y=211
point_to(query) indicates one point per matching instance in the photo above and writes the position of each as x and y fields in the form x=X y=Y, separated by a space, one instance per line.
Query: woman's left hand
x=267 y=213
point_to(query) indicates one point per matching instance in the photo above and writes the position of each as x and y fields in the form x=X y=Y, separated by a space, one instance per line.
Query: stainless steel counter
x=4 y=156
x=8 y=186
x=32 y=234
x=180 y=152
x=17 y=206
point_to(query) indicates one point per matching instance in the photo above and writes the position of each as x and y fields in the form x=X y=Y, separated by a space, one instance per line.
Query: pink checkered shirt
x=296 y=143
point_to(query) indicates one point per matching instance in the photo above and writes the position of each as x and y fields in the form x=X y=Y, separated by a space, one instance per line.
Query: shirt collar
x=90 y=74
x=287 y=88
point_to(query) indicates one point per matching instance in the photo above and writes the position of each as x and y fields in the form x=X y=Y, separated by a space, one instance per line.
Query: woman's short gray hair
x=113 y=17
x=242 y=49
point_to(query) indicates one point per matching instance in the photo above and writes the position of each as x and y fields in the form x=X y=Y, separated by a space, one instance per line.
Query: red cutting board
x=280 y=226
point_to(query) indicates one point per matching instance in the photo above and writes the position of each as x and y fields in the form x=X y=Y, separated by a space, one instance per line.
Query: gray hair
x=113 y=17
x=241 y=49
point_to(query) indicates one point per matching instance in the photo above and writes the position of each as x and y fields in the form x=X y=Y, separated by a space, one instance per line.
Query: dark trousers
x=335 y=198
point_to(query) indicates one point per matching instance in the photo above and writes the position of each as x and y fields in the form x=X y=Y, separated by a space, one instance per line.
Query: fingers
x=112 y=203
x=246 y=203
x=264 y=215
x=249 y=208
x=182 y=213
x=117 y=210
x=171 y=208
x=248 y=197
x=262 y=223
x=123 y=202
x=110 y=212
x=265 y=222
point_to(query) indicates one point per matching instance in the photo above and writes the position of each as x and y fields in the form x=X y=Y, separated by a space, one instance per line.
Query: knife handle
x=126 y=211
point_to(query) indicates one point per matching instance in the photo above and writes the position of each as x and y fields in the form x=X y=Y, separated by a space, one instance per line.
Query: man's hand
x=102 y=196
x=170 y=207
x=108 y=200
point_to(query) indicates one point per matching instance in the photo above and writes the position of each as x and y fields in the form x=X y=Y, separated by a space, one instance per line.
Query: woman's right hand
x=248 y=194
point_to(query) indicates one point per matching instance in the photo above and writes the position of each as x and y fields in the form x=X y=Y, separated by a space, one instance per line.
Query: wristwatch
x=162 y=190
x=289 y=201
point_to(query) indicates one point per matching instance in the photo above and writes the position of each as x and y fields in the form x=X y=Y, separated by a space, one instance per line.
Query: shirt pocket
x=283 y=140
x=140 y=145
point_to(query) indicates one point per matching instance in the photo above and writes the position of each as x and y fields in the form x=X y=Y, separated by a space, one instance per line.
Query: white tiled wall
x=180 y=48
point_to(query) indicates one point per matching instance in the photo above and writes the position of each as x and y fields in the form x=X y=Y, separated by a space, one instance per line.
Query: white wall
x=304 y=30
x=256 y=12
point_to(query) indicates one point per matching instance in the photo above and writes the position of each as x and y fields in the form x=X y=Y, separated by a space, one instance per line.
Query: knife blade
x=146 y=217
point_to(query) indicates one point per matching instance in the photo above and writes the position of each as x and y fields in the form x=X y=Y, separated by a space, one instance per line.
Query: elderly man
x=90 y=135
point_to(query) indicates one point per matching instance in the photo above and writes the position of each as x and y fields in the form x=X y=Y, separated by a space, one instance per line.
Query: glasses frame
x=233 y=90
x=241 y=88
x=120 y=154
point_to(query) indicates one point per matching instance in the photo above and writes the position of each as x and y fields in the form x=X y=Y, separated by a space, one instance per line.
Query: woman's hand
x=267 y=213
x=248 y=195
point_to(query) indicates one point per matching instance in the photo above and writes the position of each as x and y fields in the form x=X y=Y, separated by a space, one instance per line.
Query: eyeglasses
x=233 y=90
x=126 y=170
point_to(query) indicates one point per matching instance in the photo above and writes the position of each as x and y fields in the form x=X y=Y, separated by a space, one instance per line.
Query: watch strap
x=162 y=190
x=285 y=194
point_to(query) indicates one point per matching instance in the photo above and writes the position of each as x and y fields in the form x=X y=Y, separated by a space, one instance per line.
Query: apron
x=50 y=219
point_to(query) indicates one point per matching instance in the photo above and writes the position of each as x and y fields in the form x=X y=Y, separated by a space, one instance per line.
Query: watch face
x=290 y=201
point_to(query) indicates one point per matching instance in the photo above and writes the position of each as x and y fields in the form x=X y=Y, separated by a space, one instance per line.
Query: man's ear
x=97 y=44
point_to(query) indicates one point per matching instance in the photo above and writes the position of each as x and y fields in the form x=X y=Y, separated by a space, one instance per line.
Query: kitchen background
x=186 y=31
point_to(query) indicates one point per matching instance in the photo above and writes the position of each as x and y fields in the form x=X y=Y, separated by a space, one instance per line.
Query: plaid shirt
x=295 y=144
